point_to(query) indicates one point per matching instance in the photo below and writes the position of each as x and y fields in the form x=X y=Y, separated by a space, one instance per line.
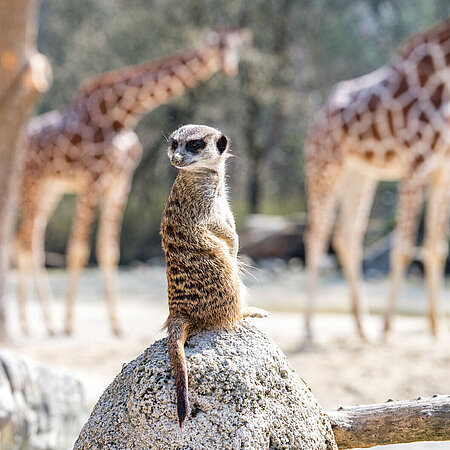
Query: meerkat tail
x=177 y=334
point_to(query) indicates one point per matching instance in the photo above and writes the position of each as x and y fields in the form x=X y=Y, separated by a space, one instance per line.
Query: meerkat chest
x=222 y=210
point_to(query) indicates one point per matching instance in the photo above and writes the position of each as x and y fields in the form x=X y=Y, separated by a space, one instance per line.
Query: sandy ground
x=339 y=368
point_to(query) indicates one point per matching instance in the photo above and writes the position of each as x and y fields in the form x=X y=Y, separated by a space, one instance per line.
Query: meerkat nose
x=176 y=158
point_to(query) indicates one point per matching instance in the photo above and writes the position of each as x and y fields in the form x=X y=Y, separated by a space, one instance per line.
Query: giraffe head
x=230 y=43
x=197 y=147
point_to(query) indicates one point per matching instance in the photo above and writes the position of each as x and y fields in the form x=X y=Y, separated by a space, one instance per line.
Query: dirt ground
x=340 y=369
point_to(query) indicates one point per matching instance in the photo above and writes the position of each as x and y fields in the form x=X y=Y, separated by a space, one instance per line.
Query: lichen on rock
x=243 y=395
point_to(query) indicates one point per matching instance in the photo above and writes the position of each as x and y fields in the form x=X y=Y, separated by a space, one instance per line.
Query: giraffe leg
x=436 y=247
x=79 y=247
x=24 y=262
x=47 y=206
x=35 y=210
x=108 y=240
x=323 y=193
x=28 y=206
x=411 y=194
x=349 y=234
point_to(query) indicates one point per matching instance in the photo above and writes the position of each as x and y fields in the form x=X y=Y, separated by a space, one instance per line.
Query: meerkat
x=200 y=243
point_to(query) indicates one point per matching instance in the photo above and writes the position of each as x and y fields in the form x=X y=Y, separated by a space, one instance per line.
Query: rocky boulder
x=40 y=407
x=243 y=395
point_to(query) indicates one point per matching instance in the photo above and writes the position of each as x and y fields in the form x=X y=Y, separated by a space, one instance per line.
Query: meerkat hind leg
x=251 y=311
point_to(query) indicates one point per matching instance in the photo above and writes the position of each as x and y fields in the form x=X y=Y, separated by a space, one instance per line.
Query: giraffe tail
x=177 y=334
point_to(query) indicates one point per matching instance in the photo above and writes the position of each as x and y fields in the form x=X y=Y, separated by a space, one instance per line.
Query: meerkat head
x=230 y=42
x=197 y=147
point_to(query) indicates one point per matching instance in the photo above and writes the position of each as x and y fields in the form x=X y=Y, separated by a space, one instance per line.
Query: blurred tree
x=263 y=127
x=24 y=74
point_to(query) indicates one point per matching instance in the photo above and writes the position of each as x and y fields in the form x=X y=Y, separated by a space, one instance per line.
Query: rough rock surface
x=243 y=395
x=40 y=407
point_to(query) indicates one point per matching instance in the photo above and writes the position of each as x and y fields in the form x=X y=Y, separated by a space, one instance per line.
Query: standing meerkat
x=200 y=244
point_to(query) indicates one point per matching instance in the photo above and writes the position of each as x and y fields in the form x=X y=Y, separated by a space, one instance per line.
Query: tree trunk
x=423 y=419
x=24 y=75
x=265 y=134
x=254 y=186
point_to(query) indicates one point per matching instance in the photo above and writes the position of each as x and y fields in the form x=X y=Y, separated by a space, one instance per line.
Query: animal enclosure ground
x=339 y=369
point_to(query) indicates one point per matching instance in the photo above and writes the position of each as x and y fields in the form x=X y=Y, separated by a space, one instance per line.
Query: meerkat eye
x=195 y=145
x=174 y=145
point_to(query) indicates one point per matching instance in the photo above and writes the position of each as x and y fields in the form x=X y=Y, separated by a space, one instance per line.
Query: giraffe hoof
x=68 y=332
x=307 y=344
x=365 y=340
x=363 y=336
x=386 y=337
x=117 y=332
x=440 y=333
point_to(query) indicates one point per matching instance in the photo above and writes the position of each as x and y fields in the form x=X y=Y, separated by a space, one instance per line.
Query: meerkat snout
x=194 y=147
x=176 y=159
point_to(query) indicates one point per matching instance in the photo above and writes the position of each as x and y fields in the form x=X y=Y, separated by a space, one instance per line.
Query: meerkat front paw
x=251 y=311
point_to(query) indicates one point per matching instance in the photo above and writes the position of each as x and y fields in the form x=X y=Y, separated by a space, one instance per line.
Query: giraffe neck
x=120 y=98
x=439 y=34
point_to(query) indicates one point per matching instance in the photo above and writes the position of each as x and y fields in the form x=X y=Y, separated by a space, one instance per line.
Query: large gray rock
x=40 y=407
x=243 y=395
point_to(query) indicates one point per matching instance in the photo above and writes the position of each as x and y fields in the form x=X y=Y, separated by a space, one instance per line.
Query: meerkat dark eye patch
x=222 y=144
x=195 y=145
x=174 y=144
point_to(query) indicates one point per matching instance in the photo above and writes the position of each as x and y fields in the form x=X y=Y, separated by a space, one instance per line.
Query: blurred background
x=300 y=49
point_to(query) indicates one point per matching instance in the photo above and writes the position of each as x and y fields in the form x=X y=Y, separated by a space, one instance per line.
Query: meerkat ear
x=222 y=144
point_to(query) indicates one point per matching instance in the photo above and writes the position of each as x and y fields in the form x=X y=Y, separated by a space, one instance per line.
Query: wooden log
x=393 y=422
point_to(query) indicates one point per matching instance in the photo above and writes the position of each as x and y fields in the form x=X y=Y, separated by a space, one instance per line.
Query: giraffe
x=392 y=124
x=89 y=148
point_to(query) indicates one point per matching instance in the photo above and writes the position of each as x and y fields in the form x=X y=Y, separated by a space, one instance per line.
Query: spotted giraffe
x=392 y=124
x=90 y=148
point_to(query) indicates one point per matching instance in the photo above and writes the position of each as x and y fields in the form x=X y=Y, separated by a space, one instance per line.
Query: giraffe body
x=392 y=124
x=65 y=155
x=90 y=148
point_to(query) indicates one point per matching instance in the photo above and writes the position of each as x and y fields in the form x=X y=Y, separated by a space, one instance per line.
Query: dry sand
x=339 y=368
